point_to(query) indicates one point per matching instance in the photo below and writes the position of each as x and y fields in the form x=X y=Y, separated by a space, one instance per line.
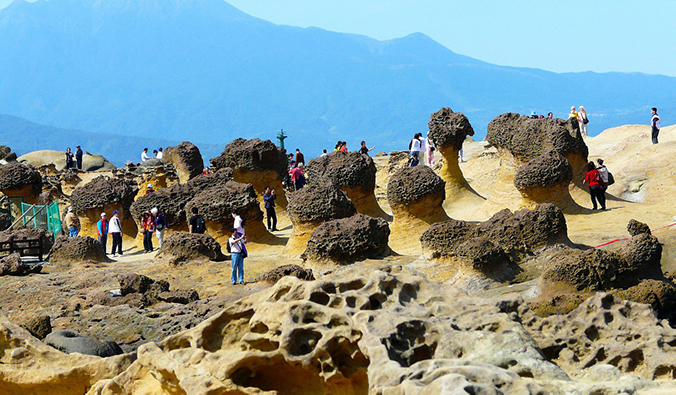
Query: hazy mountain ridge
x=204 y=71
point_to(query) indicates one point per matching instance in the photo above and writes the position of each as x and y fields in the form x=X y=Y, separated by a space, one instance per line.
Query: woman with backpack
x=148 y=224
x=596 y=185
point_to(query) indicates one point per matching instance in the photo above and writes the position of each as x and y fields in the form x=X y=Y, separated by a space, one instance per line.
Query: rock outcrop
x=354 y=174
x=12 y=265
x=6 y=155
x=187 y=160
x=181 y=248
x=257 y=162
x=73 y=342
x=415 y=195
x=149 y=291
x=447 y=131
x=90 y=162
x=533 y=155
x=77 y=249
x=31 y=367
x=21 y=232
x=279 y=272
x=312 y=205
x=20 y=180
x=104 y=194
x=347 y=240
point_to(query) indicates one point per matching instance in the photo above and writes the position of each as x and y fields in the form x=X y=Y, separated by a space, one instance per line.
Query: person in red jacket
x=596 y=186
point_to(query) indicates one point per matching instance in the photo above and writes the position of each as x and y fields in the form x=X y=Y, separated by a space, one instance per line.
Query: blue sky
x=561 y=36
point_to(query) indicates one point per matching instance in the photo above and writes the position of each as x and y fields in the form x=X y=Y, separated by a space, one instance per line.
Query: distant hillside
x=24 y=136
x=203 y=70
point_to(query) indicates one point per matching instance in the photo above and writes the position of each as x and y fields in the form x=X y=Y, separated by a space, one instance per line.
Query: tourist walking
x=572 y=113
x=237 y=255
x=297 y=177
x=655 y=124
x=102 y=231
x=70 y=159
x=364 y=149
x=148 y=224
x=78 y=157
x=414 y=147
x=300 y=158
x=593 y=179
x=144 y=155
x=72 y=222
x=160 y=225
x=196 y=223
x=582 y=120
x=116 y=232
x=269 y=198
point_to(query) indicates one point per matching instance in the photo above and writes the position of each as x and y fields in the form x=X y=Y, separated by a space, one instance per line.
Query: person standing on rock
x=148 y=223
x=78 y=157
x=236 y=242
x=364 y=150
x=160 y=225
x=196 y=223
x=300 y=158
x=572 y=113
x=595 y=182
x=655 y=124
x=343 y=147
x=72 y=223
x=116 y=232
x=69 y=159
x=430 y=152
x=269 y=198
x=144 y=155
x=582 y=120
x=102 y=231
x=324 y=153
x=160 y=153
x=155 y=153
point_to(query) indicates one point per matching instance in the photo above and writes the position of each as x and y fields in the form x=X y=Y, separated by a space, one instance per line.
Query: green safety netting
x=43 y=217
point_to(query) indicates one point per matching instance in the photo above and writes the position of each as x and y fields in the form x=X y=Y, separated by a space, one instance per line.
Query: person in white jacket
x=115 y=229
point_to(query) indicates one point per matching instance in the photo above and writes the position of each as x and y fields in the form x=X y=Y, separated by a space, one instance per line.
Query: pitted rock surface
x=659 y=294
x=152 y=162
x=205 y=181
x=348 y=240
x=528 y=138
x=252 y=155
x=181 y=248
x=21 y=232
x=319 y=202
x=186 y=158
x=72 y=342
x=411 y=184
x=169 y=201
x=343 y=170
x=12 y=265
x=481 y=253
x=277 y=273
x=132 y=283
x=448 y=128
x=635 y=228
x=38 y=325
x=6 y=154
x=77 y=249
x=102 y=191
x=547 y=170
x=219 y=202
x=16 y=176
x=519 y=233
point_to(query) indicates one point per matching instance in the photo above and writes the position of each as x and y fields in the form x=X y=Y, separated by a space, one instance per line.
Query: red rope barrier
x=626 y=238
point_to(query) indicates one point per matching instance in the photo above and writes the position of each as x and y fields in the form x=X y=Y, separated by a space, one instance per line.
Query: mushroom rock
x=218 y=203
x=311 y=206
x=6 y=155
x=69 y=250
x=187 y=160
x=20 y=180
x=182 y=247
x=347 y=240
x=415 y=195
x=447 y=131
x=104 y=194
x=354 y=174
x=256 y=162
x=90 y=162
x=531 y=169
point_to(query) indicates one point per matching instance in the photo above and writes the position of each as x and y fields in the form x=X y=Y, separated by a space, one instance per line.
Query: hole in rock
x=351 y=286
x=303 y=341
x=592 y=333
x=410 y=344
x=320 y=298
x=407 y=294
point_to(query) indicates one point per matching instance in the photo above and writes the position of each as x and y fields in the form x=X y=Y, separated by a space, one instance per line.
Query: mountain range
x=203 y=71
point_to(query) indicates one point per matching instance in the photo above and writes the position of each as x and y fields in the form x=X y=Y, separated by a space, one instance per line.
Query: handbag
x=585 y=120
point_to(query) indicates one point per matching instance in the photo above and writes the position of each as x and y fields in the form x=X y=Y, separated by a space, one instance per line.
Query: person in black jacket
x=78 y=157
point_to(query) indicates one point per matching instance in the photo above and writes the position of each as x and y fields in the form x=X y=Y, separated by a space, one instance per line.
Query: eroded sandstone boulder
x=279 y=272
x=77 y=249
x=12 y=265
x=354 y=174
x=257 y=162
x=532 y=154
x=20 y=232
x=90 y=162
x=169 y=201
x=38 y=325
x=6 y=154
x=346 y=240
x=447 y=131
x=187 y=160
x=20 y=180
x=312 y=205
x=149 y=291
x=181 y=248
x=635 y=228
x=73 y=342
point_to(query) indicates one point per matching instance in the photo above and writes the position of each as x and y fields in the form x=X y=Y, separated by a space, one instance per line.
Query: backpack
x=597 y=178
x=611 y=179
x=227 y=247
x=200 y=226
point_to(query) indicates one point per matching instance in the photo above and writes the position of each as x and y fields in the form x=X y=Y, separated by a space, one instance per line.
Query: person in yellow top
x=573 y=113
x=72 y=223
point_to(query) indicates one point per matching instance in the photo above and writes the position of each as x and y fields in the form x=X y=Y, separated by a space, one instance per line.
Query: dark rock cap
x=169 y=201
x=636 y=228
x=219 y=202
x=17 y=175
x=411 y=184
x=319 y=203
x=448 y=128
x=187 y=156
x=255 y=154
x=77 y=249
x=102 y=191
x=277 y=273
x=182 y=247
x=348 y=240
x=547 y=170
x=343 y=170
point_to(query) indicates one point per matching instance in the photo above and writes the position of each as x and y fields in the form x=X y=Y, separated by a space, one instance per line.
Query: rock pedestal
x=187 y=160
x=21 y=180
